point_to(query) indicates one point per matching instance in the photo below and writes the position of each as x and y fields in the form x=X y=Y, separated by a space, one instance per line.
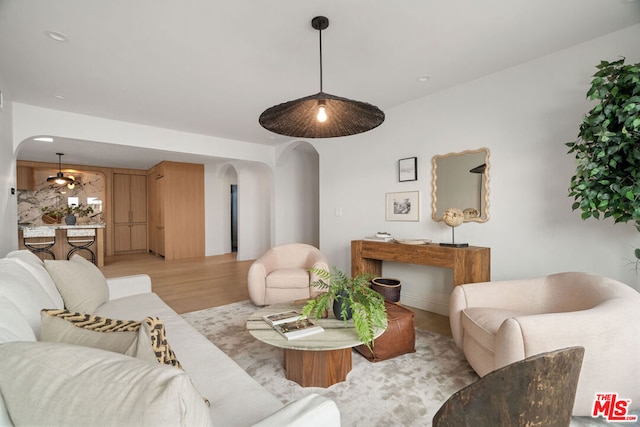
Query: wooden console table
x=470 y=265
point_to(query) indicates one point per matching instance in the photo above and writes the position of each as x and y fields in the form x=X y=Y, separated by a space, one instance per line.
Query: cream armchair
x=282 y=274
x=498 y=323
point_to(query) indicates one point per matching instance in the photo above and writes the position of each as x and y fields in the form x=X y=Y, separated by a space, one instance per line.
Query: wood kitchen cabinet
x=129 y=213
x=24 y=178
x=176 y=210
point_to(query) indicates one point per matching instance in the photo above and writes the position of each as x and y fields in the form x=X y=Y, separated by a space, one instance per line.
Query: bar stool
x=33 y=240
x=80 y=240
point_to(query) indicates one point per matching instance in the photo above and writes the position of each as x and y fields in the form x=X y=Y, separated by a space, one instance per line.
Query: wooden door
x=129 y=212
x=138 y=198
x=152 y=210
x=121 y=198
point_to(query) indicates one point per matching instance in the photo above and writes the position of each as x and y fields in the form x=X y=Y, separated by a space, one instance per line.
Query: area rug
x=404 y=391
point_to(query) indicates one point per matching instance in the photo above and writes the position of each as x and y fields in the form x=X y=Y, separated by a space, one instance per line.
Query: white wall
x=8 y=202
x=253 y=164
x=217 y=223
x=297 y=195
x=255 y=210
x=30 y=121
x=524 y=115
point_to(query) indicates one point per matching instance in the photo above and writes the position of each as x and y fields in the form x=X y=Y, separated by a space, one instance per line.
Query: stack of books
x=380 y=236
x=292 y=325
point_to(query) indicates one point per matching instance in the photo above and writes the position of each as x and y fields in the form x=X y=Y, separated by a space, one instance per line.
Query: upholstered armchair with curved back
x=499 y=323
x=282 y=274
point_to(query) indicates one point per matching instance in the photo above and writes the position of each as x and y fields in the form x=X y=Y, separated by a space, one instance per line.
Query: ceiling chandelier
x=321 y=115
x=60 y=179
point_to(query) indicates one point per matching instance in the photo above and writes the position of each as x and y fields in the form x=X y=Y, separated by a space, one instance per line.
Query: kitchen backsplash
x=89 y=191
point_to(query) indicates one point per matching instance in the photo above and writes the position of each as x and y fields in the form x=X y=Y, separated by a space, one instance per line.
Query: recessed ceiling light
x=59 y=96
x=43 y=139
x=59 y=37
x=424 y=78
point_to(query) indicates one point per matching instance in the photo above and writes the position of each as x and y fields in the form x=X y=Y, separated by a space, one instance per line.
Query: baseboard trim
x=423 y=303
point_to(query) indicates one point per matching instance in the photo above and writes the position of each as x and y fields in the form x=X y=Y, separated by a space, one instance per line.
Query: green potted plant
x=607 y=179
x=69 y=217
x=52 y=214
x=353 y=297
x=82 y=212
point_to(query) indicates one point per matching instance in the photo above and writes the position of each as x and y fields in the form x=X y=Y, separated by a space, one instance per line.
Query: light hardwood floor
x=199 y=283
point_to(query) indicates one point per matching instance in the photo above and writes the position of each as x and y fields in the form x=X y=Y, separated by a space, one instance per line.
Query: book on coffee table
x=298 y=329
x=283 y=317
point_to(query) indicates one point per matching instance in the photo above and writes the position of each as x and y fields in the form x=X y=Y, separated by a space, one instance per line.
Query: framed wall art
x=403 y=206
x=408 y=169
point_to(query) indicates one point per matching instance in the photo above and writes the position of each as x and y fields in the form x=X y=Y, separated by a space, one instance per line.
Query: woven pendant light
x=60 y=179
x=321 y=115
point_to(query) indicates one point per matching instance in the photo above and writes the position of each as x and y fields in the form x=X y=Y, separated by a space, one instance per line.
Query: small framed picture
x=408 y=169
x=403 y=206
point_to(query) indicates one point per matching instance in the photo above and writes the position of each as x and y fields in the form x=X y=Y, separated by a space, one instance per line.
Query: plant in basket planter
x=52 y=214
x=82 y=211
x=352 y=297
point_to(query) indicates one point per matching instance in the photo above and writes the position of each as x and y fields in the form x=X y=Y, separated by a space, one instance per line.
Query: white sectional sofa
x=58 y=383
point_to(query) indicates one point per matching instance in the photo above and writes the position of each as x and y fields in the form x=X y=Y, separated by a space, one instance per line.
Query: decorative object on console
x=321 y=115
x=60 y=179
x=366 y=305
x=380 y=236
x=403 y=206
x=606 y=153
x=408 y=169
x=453 y=217
x=413 y=241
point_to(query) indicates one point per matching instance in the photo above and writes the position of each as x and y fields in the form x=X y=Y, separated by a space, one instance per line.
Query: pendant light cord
x=320 y=30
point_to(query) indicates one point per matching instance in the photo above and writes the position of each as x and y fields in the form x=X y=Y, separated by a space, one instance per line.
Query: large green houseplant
x=607 y=179
x=355 y=295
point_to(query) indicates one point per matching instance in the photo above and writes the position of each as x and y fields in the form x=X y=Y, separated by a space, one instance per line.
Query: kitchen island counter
x=61 y=248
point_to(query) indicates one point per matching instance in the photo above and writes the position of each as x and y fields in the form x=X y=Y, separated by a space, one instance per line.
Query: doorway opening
x=234 y=218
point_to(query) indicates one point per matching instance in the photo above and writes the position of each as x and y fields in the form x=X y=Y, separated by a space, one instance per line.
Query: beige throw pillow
x=64 y=384
x=82 y=285
x=144 y=340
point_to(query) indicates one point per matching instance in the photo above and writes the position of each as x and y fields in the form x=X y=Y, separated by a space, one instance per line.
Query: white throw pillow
x=13 y=325
x=35 y=266
x=62 y=384
x=82 y=285
x=21 y=288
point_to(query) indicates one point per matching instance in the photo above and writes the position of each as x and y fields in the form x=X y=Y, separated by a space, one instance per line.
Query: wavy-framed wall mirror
x=461 y=180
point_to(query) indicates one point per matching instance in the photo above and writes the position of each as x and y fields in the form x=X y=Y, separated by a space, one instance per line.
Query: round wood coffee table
x=318 y=360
